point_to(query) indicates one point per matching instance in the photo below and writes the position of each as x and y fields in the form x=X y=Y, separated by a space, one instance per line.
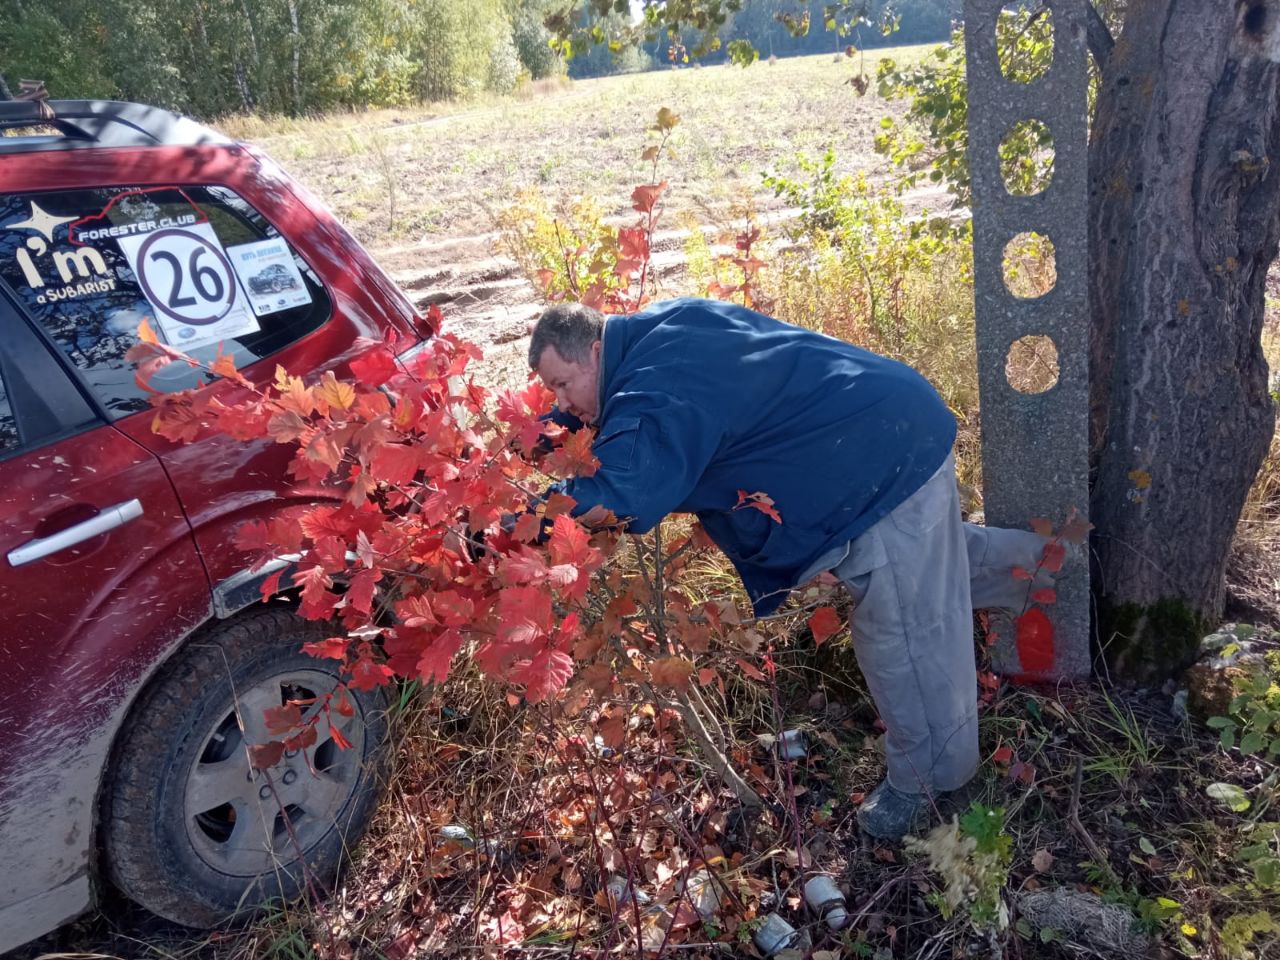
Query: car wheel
x=191 y=832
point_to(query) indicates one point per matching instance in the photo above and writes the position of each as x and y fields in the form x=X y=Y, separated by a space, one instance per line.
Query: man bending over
x=694 y=400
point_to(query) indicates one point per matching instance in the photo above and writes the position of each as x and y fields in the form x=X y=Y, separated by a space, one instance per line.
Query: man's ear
x=595 y=353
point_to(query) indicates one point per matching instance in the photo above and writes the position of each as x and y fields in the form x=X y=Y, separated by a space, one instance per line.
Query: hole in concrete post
x=1030 y=268
x=1026 y=158
x=1254 y=21
x=1032 y=364
x=1024 y=43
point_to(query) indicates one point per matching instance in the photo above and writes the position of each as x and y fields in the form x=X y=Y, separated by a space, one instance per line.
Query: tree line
x=210 y=58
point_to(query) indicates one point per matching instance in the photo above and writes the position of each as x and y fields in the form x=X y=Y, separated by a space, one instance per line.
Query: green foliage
x=972 y=856
x=533 y=43
x=562 y=246
x=1239 y=930
x=290 y=56
x=938 y=111
x=1262 y=856
x=850 y=227
x=933 y=140
x=1253 y=723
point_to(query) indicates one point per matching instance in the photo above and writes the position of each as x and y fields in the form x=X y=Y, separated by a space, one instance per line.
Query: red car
x=138 y=659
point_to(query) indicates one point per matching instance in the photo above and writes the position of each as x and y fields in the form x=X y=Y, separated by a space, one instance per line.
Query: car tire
x=190 y=831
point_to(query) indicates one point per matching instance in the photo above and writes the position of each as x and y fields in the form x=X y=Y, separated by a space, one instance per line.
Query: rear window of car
x=198 y=265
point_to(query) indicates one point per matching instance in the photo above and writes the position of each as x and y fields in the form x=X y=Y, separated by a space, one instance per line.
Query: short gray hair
x=569 y=327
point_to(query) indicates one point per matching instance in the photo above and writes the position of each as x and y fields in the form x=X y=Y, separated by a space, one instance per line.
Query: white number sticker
x=185 y=275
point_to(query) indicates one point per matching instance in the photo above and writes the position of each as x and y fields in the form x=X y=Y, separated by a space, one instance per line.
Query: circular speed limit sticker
x=186 y=276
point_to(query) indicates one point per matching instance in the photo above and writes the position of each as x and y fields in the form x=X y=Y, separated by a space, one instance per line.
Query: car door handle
x=108 y=519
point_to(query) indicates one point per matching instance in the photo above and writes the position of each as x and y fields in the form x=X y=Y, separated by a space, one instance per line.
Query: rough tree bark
x=1184 y=222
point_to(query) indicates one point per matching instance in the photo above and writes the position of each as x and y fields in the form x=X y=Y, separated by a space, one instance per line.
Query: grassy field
x=451 y=167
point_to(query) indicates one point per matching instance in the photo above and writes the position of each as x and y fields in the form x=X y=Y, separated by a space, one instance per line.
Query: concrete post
x=1034 y=446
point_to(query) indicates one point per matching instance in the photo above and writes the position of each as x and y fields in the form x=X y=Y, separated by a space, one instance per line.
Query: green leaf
x=1251 y=742
x=1219 y=723
x=1147 y=847
x=1266 y=872
x=1229 y=795
x=1227 y=738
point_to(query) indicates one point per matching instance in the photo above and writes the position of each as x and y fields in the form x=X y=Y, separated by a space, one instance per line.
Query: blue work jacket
x=700 y=399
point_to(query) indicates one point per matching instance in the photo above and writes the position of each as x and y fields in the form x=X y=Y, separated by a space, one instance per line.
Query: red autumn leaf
x=750 y=669
x=633 y=243
x=1035 y=641
x=367 y=673
x=613 y=729
x=306 y=737
x=1044 y=595
x=1023 y=773
x=1003 y=754
x=545 y=675
x=824 y=624
x=436 y=659
x=523 y=566
x=673 y=672
x=1076 y=529
x=1054 y=554
x=375 y=367
x=573 y=457
x=1042 y=526
x=335 y=648
x=360 y=592
x=270 y=586
x=263 y=756
x=338 y=737
x=524 y=615
x=343 y=705
x=645 y=196
x=395 y=463
x=283 y=718
x=452 y=609
x=528 y=528
x=761 y=501
x=314 y=582
x=570 y=542
x=1022 y=573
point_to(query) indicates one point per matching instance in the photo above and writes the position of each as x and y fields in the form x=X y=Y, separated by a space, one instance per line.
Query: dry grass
x=459 y=163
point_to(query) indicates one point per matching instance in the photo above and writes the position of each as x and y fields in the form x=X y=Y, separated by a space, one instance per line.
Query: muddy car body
x=138 y=656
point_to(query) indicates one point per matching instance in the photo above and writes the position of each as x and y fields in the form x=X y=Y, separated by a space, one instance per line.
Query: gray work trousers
x=916 y=577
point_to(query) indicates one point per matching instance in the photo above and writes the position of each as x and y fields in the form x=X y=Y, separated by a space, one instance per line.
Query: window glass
x=8 y=425
x=199 y=265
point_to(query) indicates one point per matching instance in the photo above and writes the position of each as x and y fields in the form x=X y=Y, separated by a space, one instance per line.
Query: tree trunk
x=1184 y=204
x=295 y=41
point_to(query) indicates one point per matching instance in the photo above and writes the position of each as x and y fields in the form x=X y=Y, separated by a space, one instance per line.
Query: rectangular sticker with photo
x=269 y=276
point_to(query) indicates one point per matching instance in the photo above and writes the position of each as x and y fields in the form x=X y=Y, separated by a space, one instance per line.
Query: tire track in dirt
x=486 y=298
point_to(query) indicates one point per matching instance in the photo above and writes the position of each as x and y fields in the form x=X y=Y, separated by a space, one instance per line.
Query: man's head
x=565 y=352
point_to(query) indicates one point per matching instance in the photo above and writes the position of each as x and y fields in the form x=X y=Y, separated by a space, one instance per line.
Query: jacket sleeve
x=653 y=450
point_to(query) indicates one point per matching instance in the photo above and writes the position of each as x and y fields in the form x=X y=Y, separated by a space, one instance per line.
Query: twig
x=1095 y=851
x=1098 y=36
x=698 y=730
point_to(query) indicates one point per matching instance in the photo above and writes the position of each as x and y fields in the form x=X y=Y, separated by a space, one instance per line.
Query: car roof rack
x=28 y=126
